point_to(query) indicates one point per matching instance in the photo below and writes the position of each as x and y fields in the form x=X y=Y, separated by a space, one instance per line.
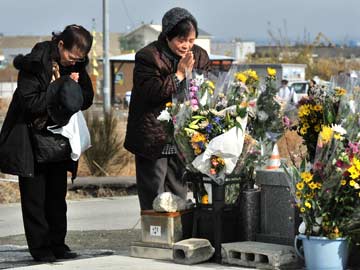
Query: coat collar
x=166 y=54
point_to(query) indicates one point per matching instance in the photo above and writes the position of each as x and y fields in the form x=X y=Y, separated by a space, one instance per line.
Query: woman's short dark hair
x=183 y=29
x=75 y=36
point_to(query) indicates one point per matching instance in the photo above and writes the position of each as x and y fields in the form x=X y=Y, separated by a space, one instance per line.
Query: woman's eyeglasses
x=77 y=60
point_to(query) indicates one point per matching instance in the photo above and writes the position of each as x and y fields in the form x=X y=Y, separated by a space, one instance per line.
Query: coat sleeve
x=87 y=89
x=155 y=87
x=32 y=96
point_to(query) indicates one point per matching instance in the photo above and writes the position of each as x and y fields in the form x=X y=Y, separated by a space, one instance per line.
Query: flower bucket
x=322 y=253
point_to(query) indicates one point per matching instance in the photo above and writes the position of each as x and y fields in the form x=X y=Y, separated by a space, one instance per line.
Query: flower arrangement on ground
x=327 y=191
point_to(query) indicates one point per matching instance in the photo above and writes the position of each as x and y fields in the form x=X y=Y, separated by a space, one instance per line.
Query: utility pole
x=106 y=64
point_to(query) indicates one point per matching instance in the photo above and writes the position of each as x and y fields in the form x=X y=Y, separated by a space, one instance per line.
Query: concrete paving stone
x=118 y=262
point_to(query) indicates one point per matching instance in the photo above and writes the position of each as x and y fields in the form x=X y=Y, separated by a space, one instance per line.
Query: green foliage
x=105 y=143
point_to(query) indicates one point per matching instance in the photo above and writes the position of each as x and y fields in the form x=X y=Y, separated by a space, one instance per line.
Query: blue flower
x=217 y=119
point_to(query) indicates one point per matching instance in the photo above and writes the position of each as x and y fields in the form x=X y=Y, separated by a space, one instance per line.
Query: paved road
x=114 y=213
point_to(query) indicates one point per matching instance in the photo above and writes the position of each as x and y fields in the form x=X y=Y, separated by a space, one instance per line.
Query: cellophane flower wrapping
x=207 y=125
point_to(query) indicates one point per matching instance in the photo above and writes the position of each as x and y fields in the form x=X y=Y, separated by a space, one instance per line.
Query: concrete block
x=150 y=251
x=192 y=251
x=165 y=228
x=259 y=255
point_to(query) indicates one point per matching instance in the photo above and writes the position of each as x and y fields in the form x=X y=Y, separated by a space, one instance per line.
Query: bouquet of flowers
x=327 y=192
x=209 y=125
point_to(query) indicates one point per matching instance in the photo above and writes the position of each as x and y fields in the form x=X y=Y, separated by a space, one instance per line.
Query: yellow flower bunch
x=325 y=134
x=241 y=77
x=247 y=76
x=271 y=72
x=198 y=141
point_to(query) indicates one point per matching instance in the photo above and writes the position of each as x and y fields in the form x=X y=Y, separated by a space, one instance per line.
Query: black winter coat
x=154 y=84
x=29 y=102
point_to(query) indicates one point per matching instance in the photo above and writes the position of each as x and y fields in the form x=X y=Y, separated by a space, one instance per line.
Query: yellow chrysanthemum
x=317 y=128
x=306 y=176
x=271 y=71
x=252 y=74
x=353 y=170
x=312 y=185
x=352 y=183
x=318 y=108
x=302 y=209
x=241 y=77
x=304 y=110
x=298 y=194
x=356 y=163
x=343 y=182
x=303 y=131
x=306 y=125
x=338 y=137
x=318 y=185
x=307 y=204
x=340 y=91
x=198 y=137
x=211 y=84
x=300 y=185
x=326 y=134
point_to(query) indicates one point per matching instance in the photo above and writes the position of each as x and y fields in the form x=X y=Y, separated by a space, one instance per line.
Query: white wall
x=204 y=43
x=7 y=88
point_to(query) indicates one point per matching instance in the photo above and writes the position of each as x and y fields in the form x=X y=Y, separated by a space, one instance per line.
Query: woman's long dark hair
x=74 y=36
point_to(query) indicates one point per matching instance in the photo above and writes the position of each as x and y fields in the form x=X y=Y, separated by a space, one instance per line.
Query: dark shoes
x=65 y=255
x=48 y=258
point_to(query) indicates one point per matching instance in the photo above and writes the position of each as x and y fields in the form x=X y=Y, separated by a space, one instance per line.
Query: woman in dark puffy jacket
x=159 y=72
x=43 y=185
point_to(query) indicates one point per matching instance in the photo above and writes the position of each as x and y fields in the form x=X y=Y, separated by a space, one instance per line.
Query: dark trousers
x=44 y=208
x=154 y=177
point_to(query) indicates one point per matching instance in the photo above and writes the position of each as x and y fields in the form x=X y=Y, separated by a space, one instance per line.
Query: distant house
x=238 y=50
x=147 y=33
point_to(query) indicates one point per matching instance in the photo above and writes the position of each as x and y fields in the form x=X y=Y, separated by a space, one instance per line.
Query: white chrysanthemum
x=164 y=116
x=338 y=129
x=199 y=79
x=263 y=116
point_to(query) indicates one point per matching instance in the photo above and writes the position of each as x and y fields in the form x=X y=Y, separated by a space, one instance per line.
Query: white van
x=300 y=89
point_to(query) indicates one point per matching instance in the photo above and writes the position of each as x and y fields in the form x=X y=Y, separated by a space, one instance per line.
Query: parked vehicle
x=300 y=89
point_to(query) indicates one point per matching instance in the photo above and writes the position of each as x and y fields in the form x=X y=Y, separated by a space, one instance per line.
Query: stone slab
x=259 y=255
x=151 y=252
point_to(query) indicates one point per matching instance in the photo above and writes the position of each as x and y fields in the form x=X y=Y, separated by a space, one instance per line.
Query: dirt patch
x=9 y=192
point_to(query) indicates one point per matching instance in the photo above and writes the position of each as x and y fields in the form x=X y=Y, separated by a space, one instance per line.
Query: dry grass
x=9 y=192
x=291 y=147
x=4 y=105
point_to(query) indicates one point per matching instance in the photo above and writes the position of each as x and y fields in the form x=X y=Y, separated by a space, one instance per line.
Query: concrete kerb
x=102 y=181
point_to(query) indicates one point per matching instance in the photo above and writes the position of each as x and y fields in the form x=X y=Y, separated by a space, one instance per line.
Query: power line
x=127 y=13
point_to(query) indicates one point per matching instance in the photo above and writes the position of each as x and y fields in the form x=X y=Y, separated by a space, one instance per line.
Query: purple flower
x=217 y=119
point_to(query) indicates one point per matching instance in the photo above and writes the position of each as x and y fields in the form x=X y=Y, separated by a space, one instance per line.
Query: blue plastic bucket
x=322 y=253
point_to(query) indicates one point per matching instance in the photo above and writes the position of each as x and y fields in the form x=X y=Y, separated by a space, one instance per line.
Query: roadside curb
x=106 y=181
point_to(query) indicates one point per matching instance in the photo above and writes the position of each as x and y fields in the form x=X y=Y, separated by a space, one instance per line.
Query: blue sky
x=338 y=20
